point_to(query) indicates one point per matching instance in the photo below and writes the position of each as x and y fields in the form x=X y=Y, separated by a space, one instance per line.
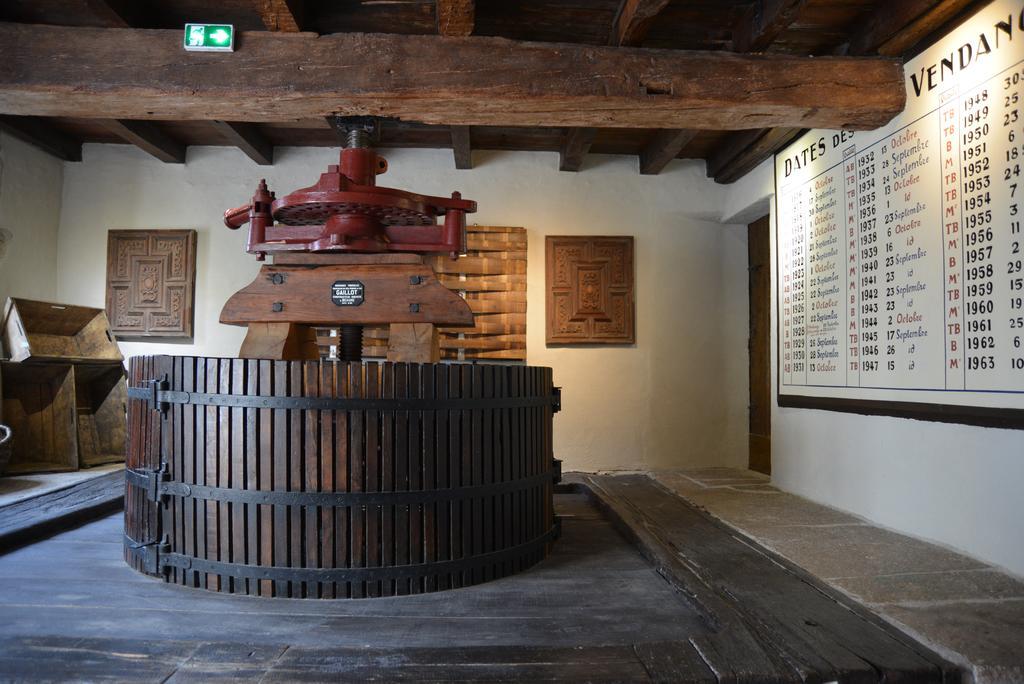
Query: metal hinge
x=155 y=388
x=556 y=470
x=148 y=480
x=556 y=399
x=148 y=553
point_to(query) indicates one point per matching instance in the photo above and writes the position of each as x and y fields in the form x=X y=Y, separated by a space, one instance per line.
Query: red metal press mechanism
x=334 y=264
x=346 y=212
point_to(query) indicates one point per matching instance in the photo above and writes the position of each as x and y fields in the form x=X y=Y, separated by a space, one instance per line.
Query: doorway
x=759 y=346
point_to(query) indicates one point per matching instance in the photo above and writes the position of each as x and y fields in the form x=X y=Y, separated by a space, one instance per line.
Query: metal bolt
x=415 y=280
x=277 y=278
x=277 y=307
x=414 y=308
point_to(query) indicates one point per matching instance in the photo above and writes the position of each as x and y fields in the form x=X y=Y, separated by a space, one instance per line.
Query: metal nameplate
x=347 y=293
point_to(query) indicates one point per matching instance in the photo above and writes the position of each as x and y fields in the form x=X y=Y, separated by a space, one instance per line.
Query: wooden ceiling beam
x=762 y=23
x=462 y=149
x=43 y=136
x=663 y=148
x=282 y=15
x=247 y=137
x=455 y=17
x=743 y=152
x=633 y=19
x=148 y=137
x=897 y=26
x=891 y=30
x=575 y=145
x=135 y=74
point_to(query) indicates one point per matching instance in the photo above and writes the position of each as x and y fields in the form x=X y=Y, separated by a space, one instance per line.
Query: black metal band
x=148 y=480
x=163 y=396
x=152 y=557
x=151 y=481
x=146 y=553
x=139 y=478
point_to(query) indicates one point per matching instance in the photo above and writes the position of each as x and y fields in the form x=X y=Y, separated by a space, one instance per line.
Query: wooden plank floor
x=594 y=610
x=598 y=609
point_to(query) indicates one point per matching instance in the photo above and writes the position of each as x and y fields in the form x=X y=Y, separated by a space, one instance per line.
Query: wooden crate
x=5 y=448
x=44 y=332
x=39 y=406
x=101 y=397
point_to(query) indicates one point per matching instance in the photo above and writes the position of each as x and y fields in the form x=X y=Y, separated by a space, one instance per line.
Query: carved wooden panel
x=151 y=282
x=590 y=297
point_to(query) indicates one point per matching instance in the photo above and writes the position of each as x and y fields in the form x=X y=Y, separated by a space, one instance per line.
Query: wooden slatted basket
x=321 y=479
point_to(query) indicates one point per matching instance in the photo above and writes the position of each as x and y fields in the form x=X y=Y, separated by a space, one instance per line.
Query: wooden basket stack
x=491 y=276
x=63 y=388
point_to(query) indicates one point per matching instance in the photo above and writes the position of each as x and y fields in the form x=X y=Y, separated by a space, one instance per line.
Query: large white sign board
x=900 y=252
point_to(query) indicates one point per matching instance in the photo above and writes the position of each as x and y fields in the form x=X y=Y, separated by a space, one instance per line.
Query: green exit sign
x=210 y=37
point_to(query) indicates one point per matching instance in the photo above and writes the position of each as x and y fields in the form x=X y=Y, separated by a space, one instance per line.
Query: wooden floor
x=25 y=521
x=650 y=588
x=73 y=610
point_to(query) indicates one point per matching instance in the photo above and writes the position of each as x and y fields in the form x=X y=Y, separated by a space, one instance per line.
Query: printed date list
x=900 y=253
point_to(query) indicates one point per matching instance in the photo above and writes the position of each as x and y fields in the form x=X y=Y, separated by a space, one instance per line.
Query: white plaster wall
x=30 y=196
x=957 y=485
x=954 y=484
x=678 y=397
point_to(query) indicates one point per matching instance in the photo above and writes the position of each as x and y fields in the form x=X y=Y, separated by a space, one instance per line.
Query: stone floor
x=965 y=609
x=14 y=488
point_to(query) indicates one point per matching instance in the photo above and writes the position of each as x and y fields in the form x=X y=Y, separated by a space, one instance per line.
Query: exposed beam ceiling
x=114 y=13
x=743 y=152
x=135 y=74
x=662 y=149
x=575 y=146
x=630 y=27
x=891 y=30
x=756 y=30
x=281 y=15
x=761 y=24
x=42 y=135
x=633 y=19
x=461 y=148
x=898 y=26
x=148 y=137
x=455 y=17
x=247 y=137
